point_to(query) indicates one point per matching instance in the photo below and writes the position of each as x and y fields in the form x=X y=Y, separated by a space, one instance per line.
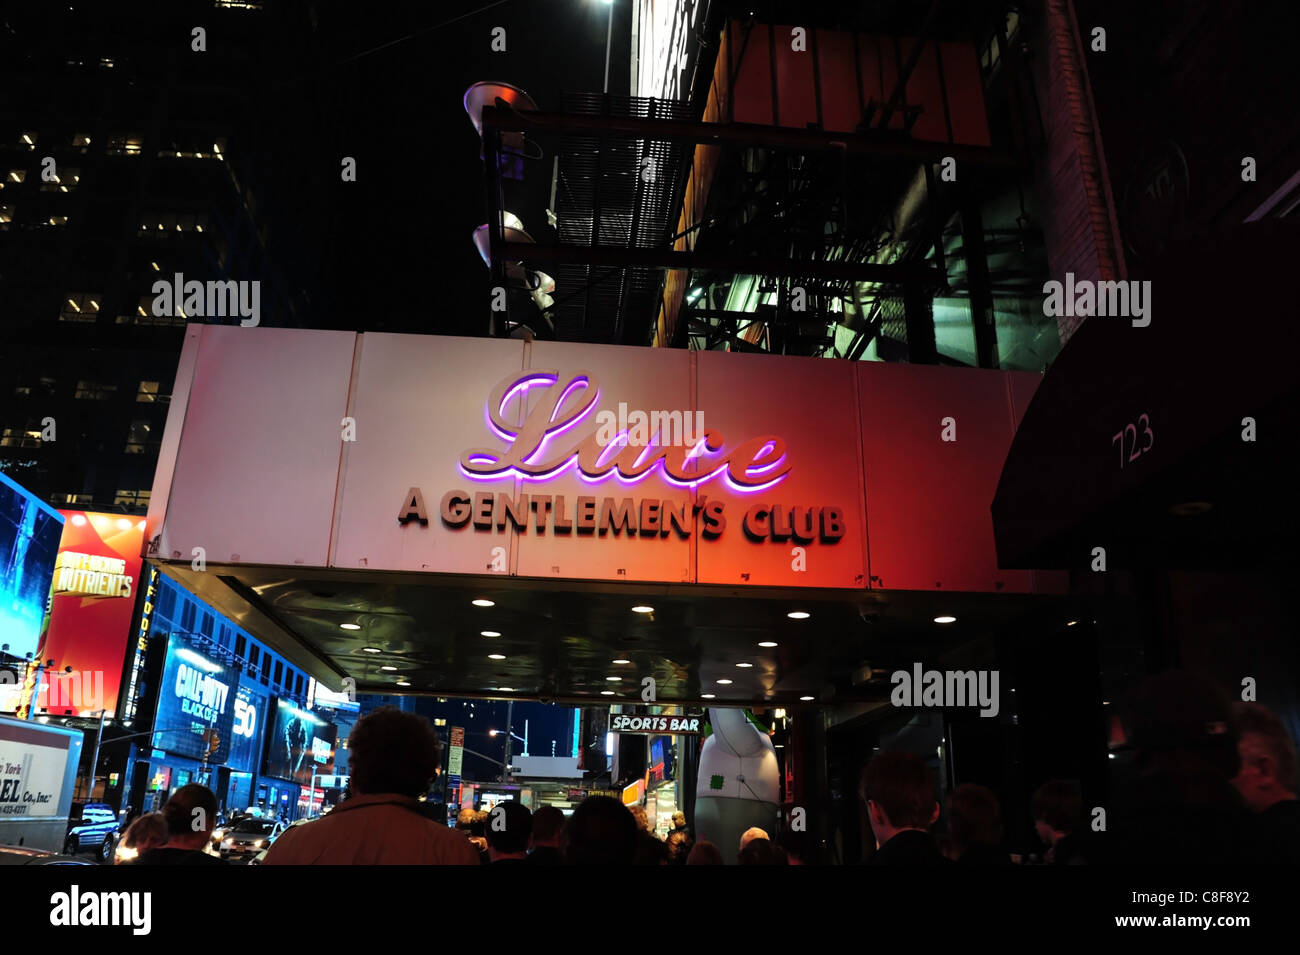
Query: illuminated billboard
x=301 y=744
x=196 y=704
x=96 y=581
x=29 y=543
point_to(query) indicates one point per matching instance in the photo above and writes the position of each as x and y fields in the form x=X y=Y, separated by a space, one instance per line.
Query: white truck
x=38 y=773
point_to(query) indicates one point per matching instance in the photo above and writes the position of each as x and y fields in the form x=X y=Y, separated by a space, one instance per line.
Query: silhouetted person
x=898 y=790
x=650 y=850
x=761 y=852
x=679 y=846
x=704 y=853
x=1180 y=806
x=392 y=756
x=548 y=828
x=1057 y=810
x=798 y=847
x=190 y=815
x=144 y=833
x=600 y=832
x=510 y=825
x=975 y=826
x=1267 y=780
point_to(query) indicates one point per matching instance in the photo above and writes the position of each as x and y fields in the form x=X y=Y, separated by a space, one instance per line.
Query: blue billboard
x=246 y=733
x=301 y=744
x=196 y=704
x=29 y=545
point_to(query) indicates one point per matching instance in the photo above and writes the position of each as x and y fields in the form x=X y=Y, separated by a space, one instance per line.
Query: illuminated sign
x=626 y=723
x=754 y=465
x=301 y=744
x=245 y=718
x=141 y=645
x=97 y=579
x=247 y=731
x=195 y=713
x=91 y=574
x=200 y=695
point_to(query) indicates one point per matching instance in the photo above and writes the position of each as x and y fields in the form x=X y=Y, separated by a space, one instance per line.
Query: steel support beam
x=720 y=262
x=885 y=146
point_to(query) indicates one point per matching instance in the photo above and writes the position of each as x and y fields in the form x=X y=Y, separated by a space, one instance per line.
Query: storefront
x=597 y=525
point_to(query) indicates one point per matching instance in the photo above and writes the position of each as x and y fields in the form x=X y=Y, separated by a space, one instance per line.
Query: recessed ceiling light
x=945 y=619
x=798 y=615
x=807 y=699
x=707 y=696
x=606 y=692
x=371 y=650
x=349 y=626
x=488 y=633
x=744 y=666
x=483 y=603
x=725 y=682
x=642 y=608
x=389 y=669
x=505 y=689
x=767 y=643
x=621 y=661
x=496 y=656
x=614 y=679
x=403 y=683
x=1071 y=623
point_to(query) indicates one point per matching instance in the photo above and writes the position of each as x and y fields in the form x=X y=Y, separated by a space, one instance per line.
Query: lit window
x=65 y=180
x=123 y=144
x=80 y=307
x=81 y=141
x=6 y=216
x=20 y=438
x=127 y=498
x=73 y=498
x=147 y=392
x=28 y=140
x=14 y=176
x=58 y=220
x=94 y=390
x=106 y=63
x=137 y=439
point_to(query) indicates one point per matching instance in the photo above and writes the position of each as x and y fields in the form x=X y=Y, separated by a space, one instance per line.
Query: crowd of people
x=1210 y=783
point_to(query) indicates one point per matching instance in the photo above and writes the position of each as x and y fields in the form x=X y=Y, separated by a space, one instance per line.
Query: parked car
x=20 y=855
x=248 y=837
x=92 y=826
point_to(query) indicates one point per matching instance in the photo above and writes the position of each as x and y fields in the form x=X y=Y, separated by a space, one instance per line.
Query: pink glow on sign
x=754 y=465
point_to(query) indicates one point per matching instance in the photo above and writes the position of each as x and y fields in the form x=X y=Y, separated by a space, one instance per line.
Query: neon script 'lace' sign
x=537 y=453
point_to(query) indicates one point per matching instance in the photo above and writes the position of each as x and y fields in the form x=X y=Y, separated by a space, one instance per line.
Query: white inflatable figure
x=739 y=783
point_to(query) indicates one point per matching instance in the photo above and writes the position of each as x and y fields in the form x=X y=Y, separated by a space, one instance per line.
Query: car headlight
x=228 y=843
x=126 y=853
x=218 y=835
x=259 y=843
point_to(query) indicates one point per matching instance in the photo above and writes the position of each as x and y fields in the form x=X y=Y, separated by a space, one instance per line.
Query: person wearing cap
x=1180 y=807
x=1268 y=780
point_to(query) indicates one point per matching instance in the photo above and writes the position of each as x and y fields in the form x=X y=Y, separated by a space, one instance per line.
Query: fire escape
x=809 y=201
